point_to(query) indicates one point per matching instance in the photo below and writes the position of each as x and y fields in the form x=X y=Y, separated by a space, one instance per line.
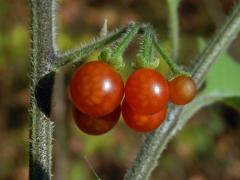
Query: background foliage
x=207 y=148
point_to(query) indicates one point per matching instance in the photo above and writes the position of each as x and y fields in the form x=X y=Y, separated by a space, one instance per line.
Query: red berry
x=182 y=90
x=140 y=122
x=96 y=89
x=147 y=91
x=96 y=125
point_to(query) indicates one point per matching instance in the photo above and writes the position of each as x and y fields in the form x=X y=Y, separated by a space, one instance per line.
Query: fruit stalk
x=155 y=142
x=174 y=27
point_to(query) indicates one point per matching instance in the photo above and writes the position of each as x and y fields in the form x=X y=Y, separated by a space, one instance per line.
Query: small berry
x=96 y=89
x=146 y=91
x=96 y=125
x=182 y=90
x=140 y=122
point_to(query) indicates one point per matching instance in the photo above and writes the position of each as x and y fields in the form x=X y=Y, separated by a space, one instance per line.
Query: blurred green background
x=207 y=148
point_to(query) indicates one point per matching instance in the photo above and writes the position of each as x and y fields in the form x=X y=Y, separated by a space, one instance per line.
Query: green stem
x=116 y=57
x=146 y=55
x=123 y=43
x=146 y=45
x=156 y=141
x=170 y=63
x=42 y=55
x=222 y=40
x=173 y=27
x=76 y=56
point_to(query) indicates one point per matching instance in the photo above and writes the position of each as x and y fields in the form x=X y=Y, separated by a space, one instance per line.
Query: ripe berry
x=96 y=89
x=96 y=125
x=140 y=122
x=182 y=90
x=146 y=91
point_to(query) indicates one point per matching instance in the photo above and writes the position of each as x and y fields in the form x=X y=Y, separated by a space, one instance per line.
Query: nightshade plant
x=46 y=61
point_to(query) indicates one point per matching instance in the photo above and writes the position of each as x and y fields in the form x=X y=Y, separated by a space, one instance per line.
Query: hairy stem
x=146 y=54
x=156 y=141
x=220 y=42
x=42 y=55
x=76 y=55
x=146 y=45
x=123 y=43
x=217 y=15
x=171 y=64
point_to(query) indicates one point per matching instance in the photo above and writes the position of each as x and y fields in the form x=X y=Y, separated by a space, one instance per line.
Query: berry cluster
x=97 y=91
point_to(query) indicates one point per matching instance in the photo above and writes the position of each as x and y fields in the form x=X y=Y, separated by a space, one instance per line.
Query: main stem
x=42 y=55
x=156 y=141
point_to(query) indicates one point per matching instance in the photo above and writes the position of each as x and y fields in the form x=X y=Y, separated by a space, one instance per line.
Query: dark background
x=207 y=148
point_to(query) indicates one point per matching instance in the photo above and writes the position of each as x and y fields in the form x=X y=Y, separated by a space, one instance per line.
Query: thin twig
x=171 y=64
x=104 y=30
x=174 y=28
x=75 y=56
x=156 y=141
x=122 y=44
x=92 y=168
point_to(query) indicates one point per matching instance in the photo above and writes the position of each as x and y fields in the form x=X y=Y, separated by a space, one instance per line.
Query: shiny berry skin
x=140 y=122
x=96 y=89
x=182 y=90
x=96 y=125
x=147 y=91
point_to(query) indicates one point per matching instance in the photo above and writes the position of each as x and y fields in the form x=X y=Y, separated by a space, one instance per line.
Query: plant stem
x=42 y=54
x=217 y=16
x=146 y=54
x=170 y=63
x=76 y=56
x=174 y=27
x=222 y=40
x=123 y=43
x=146 y=45
x=156 y=141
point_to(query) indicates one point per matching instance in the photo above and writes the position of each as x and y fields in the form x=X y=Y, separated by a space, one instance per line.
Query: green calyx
x=105 y=55
x=114 y=56
x=146 y=56
x=148 y=53
x=143 y=62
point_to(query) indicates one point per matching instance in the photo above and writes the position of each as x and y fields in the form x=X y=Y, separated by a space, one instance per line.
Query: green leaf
x=222 y=82
x=233 y=103
x=223 y=78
